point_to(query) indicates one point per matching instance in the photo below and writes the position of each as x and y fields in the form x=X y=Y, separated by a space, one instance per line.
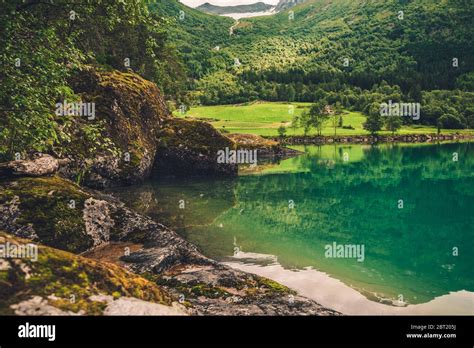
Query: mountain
x=286 y=4
x=220 y=10
x=331 y=46
x=195 y=34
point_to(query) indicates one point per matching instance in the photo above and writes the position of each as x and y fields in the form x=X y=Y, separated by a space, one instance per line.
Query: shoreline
x=305 y=281
x=368 y=139
x=102 y=226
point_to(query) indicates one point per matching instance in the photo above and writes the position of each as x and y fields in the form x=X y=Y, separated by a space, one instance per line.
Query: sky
x=195 y=3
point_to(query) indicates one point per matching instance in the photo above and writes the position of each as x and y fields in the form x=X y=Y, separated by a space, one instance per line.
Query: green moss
x=72 y=280
x=136 y=151
x=45 y=204
x=208 y=291
x=117 y=294
x=194 y=136
x=192 y=290
x=273 y=286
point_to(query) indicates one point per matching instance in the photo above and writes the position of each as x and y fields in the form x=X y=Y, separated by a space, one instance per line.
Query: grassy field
x=264 y=118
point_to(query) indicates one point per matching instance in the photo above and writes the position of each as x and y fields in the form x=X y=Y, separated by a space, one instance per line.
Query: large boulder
x=118 y=146
x=188 y=148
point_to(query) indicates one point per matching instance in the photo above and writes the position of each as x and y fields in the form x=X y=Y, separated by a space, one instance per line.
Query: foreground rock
x=39 y=165
x=55 y=282
x=38 y=208
x=58 y=213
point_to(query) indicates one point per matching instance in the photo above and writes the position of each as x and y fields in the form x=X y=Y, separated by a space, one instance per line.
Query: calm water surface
x=410 y=206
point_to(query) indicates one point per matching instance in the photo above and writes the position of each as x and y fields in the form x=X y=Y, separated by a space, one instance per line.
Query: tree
x=450 y=121
x=317 y=115
x=335 y=114
x=291 y=93
x=65 y=36
x=281 y=130
x=374 y=122
x=393 y=123
x=341 y=121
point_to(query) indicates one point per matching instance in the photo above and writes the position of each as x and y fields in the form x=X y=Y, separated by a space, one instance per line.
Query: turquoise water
x=409 y=206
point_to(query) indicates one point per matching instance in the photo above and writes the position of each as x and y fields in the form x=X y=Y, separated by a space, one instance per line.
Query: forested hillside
x=43 y=44
x=414 y=48
x=198 y=36
x=353 y=52
x=348 y=51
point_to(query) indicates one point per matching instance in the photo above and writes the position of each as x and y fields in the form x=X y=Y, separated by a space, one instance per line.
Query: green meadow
x=264 y=118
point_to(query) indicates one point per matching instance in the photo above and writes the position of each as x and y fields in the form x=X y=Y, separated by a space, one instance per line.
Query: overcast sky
x=195 y=3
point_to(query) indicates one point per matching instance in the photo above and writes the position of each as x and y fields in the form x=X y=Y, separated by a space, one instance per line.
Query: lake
x=361 y=229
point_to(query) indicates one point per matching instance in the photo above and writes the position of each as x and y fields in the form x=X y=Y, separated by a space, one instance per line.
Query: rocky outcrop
x=39 y=206
x=132 y=130
x=58 y=213
x=220 y=290
x=39 y=165
x=265 y=147
x=59 y=283
x=190 y=148
x=117 y=146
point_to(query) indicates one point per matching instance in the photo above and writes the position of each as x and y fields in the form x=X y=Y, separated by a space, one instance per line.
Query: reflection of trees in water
x=393 y=161
x=196 y=202
x=408 y=251
x=356 y=203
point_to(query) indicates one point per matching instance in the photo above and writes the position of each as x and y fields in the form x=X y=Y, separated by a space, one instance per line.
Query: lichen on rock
x=39 y=165
x=97 y=220
x=60 y=283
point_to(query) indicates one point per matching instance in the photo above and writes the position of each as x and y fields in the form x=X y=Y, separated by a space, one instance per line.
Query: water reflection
x=343 y=194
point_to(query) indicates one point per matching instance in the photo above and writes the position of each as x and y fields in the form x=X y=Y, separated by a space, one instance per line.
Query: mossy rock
x=129 y=114
x=40 y=209
x=132 y=130
x=252 y=141
x=58 y=213
x=189 y=148
x=67 y=281
x=47 y=209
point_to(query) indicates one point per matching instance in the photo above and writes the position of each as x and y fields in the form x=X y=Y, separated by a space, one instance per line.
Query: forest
x=355 y=53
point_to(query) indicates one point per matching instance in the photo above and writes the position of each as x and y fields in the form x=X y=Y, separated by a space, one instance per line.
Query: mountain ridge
x=219 y=10
x=354 y=52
